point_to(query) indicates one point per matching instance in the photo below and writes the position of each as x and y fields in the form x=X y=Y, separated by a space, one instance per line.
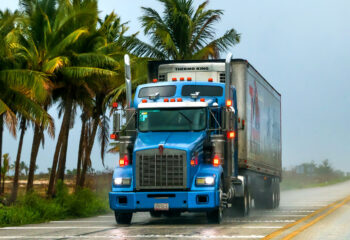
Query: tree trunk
x=50 y=190
x=63 y=154
x=3 y=183
x=38 y=131
x=88 y=153
x=18 y=159
x=1 y=130
x=81 y=149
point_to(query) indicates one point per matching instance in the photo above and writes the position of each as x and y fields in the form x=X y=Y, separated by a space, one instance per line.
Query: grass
x=33 y=208
x=299 y=182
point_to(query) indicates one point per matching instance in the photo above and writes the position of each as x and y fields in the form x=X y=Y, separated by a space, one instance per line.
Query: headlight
x=208 y=181
x=122 y=181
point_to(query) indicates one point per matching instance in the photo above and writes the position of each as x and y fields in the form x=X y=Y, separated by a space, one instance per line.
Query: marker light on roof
x=172 y=100
x=179 y=99
x=155 y=80
x=202 y=100
x=210 y=79
x=189 y=79
x=182 y=79
x=174 y=79
x=115 y=105
x=144 y=100
x=166 y=100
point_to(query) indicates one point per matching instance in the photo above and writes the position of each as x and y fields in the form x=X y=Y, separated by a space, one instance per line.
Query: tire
x=155 y=214
x=215 y=216
x=278 y=194
x=123 y=218
x=241 y=205
x=270 y=199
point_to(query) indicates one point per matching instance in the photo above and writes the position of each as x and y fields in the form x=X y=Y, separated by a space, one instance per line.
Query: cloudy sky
x=301 y=47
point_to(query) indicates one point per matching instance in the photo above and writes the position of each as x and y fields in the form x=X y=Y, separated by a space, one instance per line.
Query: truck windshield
x=175 y=119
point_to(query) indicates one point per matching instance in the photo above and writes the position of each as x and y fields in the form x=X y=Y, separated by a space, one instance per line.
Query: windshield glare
x=189 y=119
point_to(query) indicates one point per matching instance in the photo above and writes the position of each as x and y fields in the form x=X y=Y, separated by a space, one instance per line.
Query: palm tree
x=89 y=65
x=22 y=89
x=184 y=32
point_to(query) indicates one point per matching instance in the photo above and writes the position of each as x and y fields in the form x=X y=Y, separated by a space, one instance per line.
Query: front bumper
x=144 y=201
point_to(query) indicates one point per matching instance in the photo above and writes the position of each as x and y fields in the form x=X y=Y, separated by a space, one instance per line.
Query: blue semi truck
x=201 y=136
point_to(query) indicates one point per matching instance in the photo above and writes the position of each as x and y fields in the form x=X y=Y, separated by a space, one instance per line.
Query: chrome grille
x=156 y=171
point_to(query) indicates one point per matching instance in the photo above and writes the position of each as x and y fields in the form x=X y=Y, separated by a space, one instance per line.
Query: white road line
x=284 y=215
x=291 y=211
x=138 y=236
x=139 y=227
x=261 y=221
x=81 y=221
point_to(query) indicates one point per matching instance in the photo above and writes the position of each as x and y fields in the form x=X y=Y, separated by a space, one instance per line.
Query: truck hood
x=176 y=140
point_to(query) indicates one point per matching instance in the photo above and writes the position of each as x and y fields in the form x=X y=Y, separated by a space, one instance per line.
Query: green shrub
x=32 y=208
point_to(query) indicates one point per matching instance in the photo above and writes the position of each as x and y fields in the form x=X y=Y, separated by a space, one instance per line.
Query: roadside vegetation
x=61 y=55
x=308 y=175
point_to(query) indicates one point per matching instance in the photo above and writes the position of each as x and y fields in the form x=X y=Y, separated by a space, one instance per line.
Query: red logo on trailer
x=161 y=149
x=255 y=111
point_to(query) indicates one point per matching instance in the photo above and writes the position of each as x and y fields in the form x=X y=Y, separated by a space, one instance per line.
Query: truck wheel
x=215 y=216
x=241 y=205
x=123 y=218
x=155 y=214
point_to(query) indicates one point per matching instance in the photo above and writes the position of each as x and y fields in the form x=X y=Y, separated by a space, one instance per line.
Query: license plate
x=161 y=206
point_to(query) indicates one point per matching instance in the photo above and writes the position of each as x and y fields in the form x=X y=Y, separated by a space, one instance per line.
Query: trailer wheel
x=123 y=218
x=155 y=214
x=278 y=195
x=215 y=216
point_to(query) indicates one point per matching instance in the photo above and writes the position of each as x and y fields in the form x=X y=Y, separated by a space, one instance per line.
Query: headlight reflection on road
x=208 y=233
x=118 y=233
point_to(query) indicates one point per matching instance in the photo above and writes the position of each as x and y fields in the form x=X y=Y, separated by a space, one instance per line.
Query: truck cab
x=171 y=167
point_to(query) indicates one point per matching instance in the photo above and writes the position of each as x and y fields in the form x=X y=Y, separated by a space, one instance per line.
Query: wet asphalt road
x=298 y=208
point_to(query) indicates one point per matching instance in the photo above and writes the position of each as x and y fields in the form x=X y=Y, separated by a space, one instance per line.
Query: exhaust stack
x=127 y=80
x=228 y=76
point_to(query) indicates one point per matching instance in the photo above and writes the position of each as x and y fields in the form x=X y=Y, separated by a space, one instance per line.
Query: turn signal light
x=115 y=105
x=194 y=162
x=229 y=103
x=216 y=161
x=124 y=161
x=231 y=134
x=155 y=80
